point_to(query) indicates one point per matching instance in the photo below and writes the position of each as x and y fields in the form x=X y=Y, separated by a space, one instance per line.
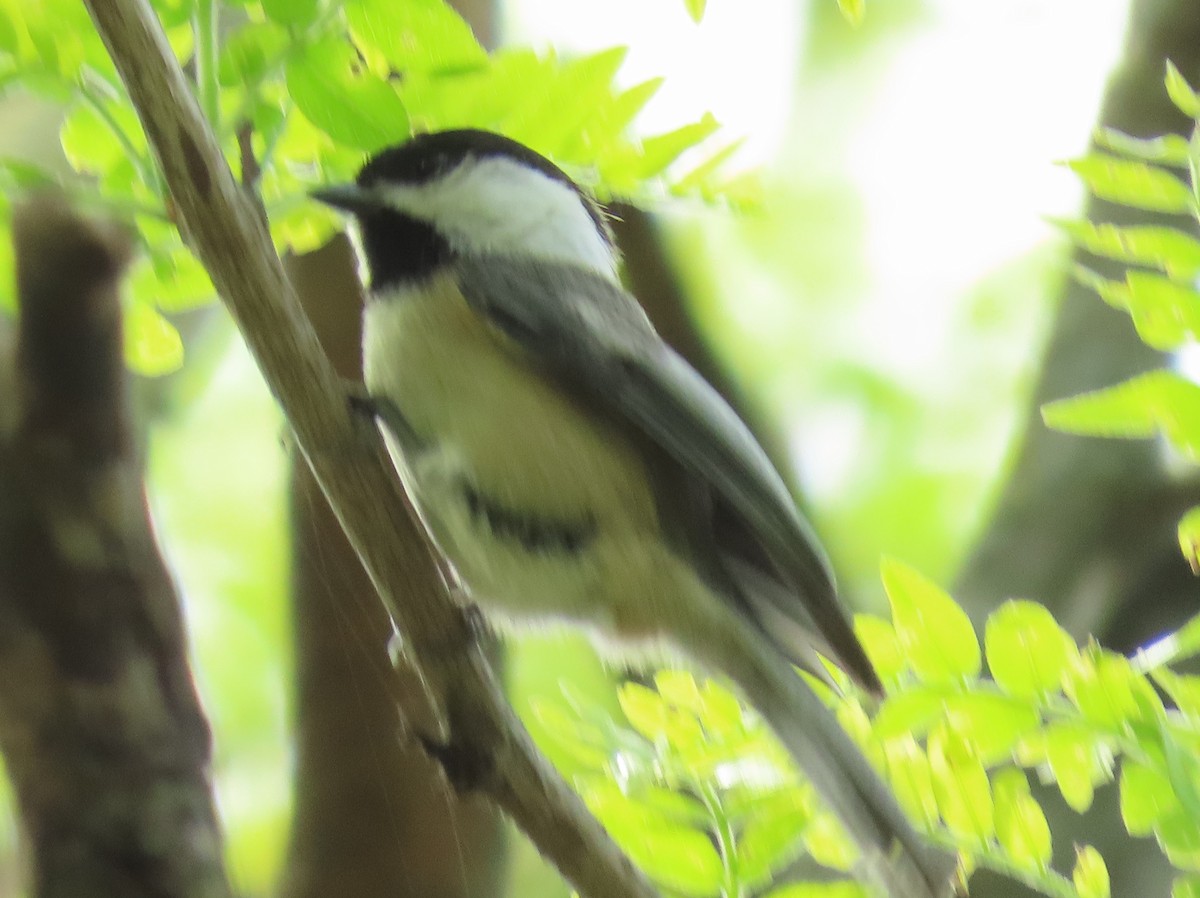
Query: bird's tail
x=894 y=858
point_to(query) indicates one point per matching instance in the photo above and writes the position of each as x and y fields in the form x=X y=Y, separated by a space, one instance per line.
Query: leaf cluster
x=1162 y=263
x=297 y=92
x=699 y=793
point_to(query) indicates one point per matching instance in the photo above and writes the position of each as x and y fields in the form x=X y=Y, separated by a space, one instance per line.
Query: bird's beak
x=347 y=197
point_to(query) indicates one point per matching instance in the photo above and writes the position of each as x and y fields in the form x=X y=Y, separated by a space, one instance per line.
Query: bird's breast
x=492 y=417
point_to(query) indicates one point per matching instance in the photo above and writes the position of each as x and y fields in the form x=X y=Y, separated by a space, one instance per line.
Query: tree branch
x=100 y=725
x=468 y=714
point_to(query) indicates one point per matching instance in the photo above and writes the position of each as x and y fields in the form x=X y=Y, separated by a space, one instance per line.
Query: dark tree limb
x=100 y=725
x=465 y=711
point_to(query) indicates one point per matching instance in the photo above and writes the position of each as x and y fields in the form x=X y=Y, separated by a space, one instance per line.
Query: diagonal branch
x=482 y=741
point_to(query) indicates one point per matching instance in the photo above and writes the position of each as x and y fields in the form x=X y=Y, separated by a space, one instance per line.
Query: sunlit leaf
x=336 y=93
x=961 y=786
x=828 y=843
x=1021 y=827
x=1183 y=689
x=1181 y=93
x=1171 y=250
x=1146 y=797
x=882 y=645
x=909 y=712
x=660 y=151
x=1103 y=686
x=854 y=11
x=292 y=13
x=1186 y=887
x=1134 y=184
x=911 y=780
x=1168 y=149
x=936 y=634
x=1027 y=651
x=1158 y=402
x=695 y=9
x=247 y=52
x=1074 y=756
x=1189 y=538
x=416 y=35
x=152 y=344
x=992 y=724
x=175 y=282
x=771 y=839
x=1179 y=835
x=1090 y=874
x=680 y=858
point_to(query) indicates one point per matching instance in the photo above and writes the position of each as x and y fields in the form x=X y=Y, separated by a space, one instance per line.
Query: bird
x=574 y=470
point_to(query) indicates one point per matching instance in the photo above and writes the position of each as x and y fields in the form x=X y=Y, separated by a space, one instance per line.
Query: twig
x=475 y=723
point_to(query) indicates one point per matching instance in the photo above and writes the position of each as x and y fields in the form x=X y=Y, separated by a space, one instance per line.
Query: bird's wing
x=594 y=337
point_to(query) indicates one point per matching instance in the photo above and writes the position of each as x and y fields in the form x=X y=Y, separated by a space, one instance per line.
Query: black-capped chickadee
x=573 y=468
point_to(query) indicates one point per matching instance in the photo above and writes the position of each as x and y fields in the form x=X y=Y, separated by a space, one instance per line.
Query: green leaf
x=1165 y=313
x=570 y=738
x=1134 y=184
x=854 y=11
x=96 y=143
x=771 y=839
x=660 y=151
x=292 y=13
x=174 y=281
x=911 y=780
x=414 y=36
x=910 y=712
x=1170 y=250
x=1075 y=757
x=1189 y=538
x=935 y=633
x=1090 y=875
x=695 y=9
x=1186 y=887
x=248 y=53
x=991 y=724
x=1146 y=797
x=332 y=89
x=658 y=720
x=20 y=174
x=960 y=784
x=153 y=346
x=1159 y=402
x=1027 y=651
x=1104 y=688
x=677 y=857
x=828 y=843
x=1181 y=92
x=1179 y=835
x=1168 y=149
x=1183 y=689
x=882 y=645
x=1021 y=827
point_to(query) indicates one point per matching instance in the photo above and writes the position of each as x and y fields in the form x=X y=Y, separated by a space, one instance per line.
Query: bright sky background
x=945 y=131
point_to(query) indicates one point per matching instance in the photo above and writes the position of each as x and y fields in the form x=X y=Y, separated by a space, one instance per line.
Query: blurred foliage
x=297 y=92
x=693 y=784
x=1159 y=174
x=696 y=789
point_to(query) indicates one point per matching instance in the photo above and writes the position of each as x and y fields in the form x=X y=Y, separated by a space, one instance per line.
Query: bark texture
x=100 y=725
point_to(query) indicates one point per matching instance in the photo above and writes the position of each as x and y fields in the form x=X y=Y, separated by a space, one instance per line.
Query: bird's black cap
x=401 y=248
